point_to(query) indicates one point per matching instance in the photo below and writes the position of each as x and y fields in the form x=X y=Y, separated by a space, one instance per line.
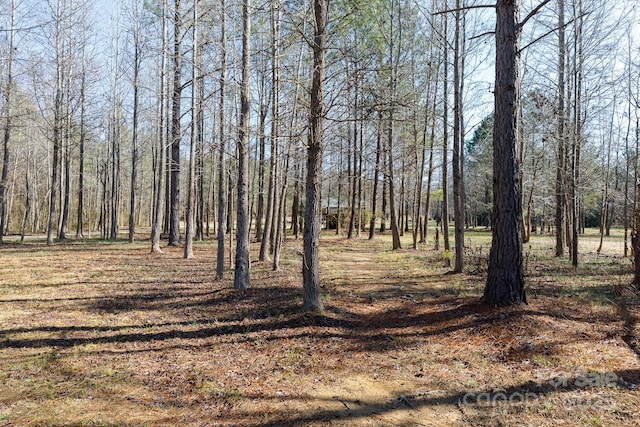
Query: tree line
x=242 y=121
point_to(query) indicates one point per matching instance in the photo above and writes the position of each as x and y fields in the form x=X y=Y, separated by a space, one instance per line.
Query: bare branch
x=553 y=30
x=488 y=33
x=532 y=14
x=459 y=9
x=18 y=29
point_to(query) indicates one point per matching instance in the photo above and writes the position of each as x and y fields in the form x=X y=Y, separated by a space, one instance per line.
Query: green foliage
x=482 y=138
x=437 y=195
x=479 y=172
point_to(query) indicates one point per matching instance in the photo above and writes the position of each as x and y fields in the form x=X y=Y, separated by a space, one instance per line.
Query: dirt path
x=373 y=394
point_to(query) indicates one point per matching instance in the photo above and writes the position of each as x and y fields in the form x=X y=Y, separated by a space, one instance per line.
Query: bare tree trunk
x=230 y=188
x=12 y=198
x=577 y=141
x=191 y=191
x=376 y=178
x=266 y=245
x=176 y=136
x=241 y=278
x=291 y=146
x=360 y=162
x=561 y=140
x=445 y=143
x=115 y=175
x=432 y=138
x=354 y=150
x=420 y=159
x=104 y=211
x=458 y=147
x=134 y=138
x=275 y=124
x=265 y=101
x=57 y=119
x=295 y=209
x=422 y=225
x=604 y=209
x=65 y=178
x=7 y=125
x=281 y=219
x=403 y=210
x=157 y=210
x=339 y=198
x=635 y=233
x=222 y=172
x=390 y=176
x=81 y=154
x=627 y=154
x=505 y=281
x=310 y=263
x=210 y=214
x=635 y=240
x=200 y=152
x=392 y=208
x=27 y=203
x=261 y=166
x=66 y=182
x=385 y=191
x=54 y=171
x=167 y=171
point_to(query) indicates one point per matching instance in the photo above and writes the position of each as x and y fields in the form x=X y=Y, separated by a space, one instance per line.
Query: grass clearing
x=109 y=334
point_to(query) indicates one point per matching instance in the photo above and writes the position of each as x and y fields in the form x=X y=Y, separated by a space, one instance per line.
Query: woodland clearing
x=106 y=333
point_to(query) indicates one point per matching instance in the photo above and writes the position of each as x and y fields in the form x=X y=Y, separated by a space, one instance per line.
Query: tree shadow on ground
x=475 y=406
x=274 y=312
x=629 y=307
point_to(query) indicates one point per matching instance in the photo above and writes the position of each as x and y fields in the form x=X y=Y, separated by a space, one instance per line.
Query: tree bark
x=627 y=154
x=604 y=208
x=222 y=172
x=134 y=138
x=376 y=179
x=295 y=209
x=176 y=136
x=200 y=155
x=157 y=210
x=281 y=219
x=385 y=191
x=458 y=148
x=81 y=153
x=57 y=119
x=261 y=168
x=505 y=281
x=275 y=129
x=561 y=166
x=445 y=144
x=395 y=232
x=7 y=125
x=432 y=139
x=115 y=174
x=241 y=278
x=312 y=227
x=27 y=204
x=354 y=151
x=191 y=189
x=577 y=140
x=66 y=180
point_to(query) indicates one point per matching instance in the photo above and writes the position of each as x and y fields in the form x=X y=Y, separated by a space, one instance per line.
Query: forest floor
x=96 y=333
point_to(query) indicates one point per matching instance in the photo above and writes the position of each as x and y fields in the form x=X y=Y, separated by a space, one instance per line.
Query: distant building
x=331 y=214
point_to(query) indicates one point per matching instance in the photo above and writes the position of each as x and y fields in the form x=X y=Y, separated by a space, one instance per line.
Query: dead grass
x=108 y=334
